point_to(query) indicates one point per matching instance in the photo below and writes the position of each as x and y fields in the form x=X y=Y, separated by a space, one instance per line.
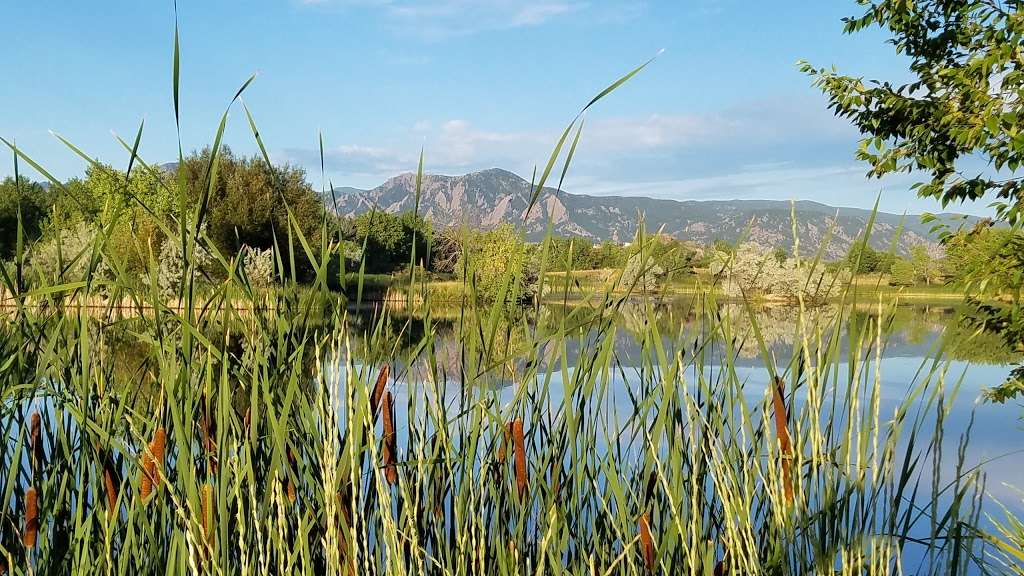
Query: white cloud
x=767 y=149
x=436 y=19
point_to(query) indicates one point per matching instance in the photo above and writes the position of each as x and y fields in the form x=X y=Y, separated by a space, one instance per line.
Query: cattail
x=248 y=418
x=722 y=567
x=31 y=518
x=388 y=449
x=38 y=456
x=205 y=498
x=646 y=541
x=152 y=463
x=502 y=445
x=519 y=452
x=378 y=390
x=782 y=431
x=209 y=444
x=290 y=485
x=146 y=482
x=110 y=483
x=345 y=505
x=652 y=483
x=157 y=448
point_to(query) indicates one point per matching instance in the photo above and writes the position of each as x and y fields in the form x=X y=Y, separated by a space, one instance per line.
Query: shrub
x=66 y=254
x=259 y=266
x=753 y=269
x=641 y=273
x=488 y=257
x=171 y=267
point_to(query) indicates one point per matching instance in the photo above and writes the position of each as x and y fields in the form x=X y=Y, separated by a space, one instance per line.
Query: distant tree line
x=248 y=216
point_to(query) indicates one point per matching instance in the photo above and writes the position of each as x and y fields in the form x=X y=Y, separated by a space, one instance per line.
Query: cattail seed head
x=519 y=453
x=290 y=485
x=388 y=448
x=31 y=518
x=146 y=482
x=378 y=390
x=110 y=486
x=782 y=431
x=209 y=431
x=646 y=541
x=205 y=499
x=157 y=448
x=506 y=436
x=36 y=437
x=152 y=463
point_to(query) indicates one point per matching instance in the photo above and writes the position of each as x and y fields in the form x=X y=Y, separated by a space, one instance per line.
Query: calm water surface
x=914 y=336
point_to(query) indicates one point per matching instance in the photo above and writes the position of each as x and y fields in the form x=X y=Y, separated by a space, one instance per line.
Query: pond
x=919 y=343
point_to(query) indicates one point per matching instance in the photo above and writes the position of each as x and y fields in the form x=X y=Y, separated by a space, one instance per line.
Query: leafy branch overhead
x=962 y=102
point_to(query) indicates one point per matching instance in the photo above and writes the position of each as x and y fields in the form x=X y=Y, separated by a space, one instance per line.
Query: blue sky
x=722 y=113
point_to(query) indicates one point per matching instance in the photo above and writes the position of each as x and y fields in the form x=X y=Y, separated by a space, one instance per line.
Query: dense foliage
x=33 y=202
x=962 y=102
x=959 y=120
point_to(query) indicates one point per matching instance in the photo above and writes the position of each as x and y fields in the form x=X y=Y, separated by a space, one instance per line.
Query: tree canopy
x=33 y=201
x=961 y=105
x=963 y=100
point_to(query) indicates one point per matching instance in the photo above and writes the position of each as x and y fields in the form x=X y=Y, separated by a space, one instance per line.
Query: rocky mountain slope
x=488 y=198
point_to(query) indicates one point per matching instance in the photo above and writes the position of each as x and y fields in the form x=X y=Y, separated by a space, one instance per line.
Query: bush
x=488 y=257
x=753 y=269
x=171 y=268
x=641 y=273
x=259 y=266
x=66 y=254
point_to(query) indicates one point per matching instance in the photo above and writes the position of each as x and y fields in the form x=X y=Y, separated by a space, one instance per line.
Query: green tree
x=33 y=200
x=926 y=266
x=903 y=273
x=249 y=203
x=497 y=262
x=570 y=253
x=863 y=259
x=390 y=238
x=961 y=102
x=987 y=252
x=608 y=254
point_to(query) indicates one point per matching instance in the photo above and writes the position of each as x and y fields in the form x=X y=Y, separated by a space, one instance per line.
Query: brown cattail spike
x=152 y=463
x=388 y=447
x=378 y=390
x=290 y=485
x=722 y=567
x=38 y=456
x=157 y=447
x=205 y=499
x=146 y=482
x=646 y=541
x=506 y=437
x=519 y=453
x=28 y=537
x=110 y=483
x=209 y=430
x=782 y=431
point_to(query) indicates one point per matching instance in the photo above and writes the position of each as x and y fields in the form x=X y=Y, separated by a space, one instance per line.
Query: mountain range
x=489 y=198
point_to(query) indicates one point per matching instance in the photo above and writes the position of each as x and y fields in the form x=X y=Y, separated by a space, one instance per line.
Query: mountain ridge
x=487 y=198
